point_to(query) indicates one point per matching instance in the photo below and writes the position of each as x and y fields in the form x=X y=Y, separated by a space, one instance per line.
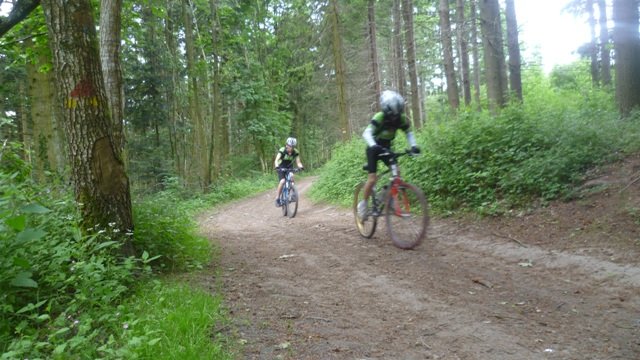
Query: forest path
x=311 y=288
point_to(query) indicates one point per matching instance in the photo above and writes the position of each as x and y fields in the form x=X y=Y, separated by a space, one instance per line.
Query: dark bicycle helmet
x=391 y=102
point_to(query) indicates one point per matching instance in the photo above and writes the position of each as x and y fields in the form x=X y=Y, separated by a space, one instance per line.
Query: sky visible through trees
x=536 y=34
x=556 y=48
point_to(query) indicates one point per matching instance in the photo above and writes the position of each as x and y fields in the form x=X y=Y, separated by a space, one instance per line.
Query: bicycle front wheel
x=366 y=226
x=407 y=216
x=284 y=202
x=292 y=201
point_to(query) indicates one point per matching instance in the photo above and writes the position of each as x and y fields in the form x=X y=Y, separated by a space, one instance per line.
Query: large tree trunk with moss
x=627 y=49
x=494 y=63
x=340 y=68
x=447 y=49
x=513 y=45
x=97 y=171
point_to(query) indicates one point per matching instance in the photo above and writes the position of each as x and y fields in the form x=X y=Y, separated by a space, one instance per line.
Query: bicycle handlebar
x=293 y=170
x=389 y=153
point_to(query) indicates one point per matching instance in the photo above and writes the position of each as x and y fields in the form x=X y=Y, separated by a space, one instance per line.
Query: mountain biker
x=284 y=160
x=379 y=135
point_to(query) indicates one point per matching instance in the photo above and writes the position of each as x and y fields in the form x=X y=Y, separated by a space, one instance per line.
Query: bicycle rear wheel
x=366 y=227
x=292 y=201
x=407 y=216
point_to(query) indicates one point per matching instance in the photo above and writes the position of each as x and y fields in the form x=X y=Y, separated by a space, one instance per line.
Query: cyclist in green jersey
x=284 y=160
x=379 y=136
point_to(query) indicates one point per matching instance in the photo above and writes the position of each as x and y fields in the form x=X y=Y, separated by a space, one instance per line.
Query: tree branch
x=21 y=9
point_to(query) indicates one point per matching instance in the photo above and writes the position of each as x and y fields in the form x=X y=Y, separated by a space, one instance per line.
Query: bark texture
x=97 y=171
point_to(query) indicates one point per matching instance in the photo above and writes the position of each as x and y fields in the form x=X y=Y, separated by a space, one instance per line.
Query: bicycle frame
x=394 y=182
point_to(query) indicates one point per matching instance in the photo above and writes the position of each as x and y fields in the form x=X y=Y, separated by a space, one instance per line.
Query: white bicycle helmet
x=292 y=141
x=391 y=102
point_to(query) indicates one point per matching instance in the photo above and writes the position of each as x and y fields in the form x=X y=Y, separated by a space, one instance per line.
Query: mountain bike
x=289 y=194
x=403 y=205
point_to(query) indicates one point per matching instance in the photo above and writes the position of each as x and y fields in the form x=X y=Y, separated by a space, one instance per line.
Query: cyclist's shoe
x=278 y=204
x=362 y=210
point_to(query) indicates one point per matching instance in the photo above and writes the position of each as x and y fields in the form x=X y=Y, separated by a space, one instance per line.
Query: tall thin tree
x=398 y=48
x=463 y=46
x=593 y=44
x=494 y=63
x=110 y=29
x=373 y=50
x=475 y=52
x=416 y=103
x=447 y=48
x=626 y=40
x=605 y=51
x=513 y=45
x=340 y=68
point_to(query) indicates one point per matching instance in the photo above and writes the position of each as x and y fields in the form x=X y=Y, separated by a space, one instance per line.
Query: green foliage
x=154 y=324
x=340 y=176
x=164 y=224
x=489 y=164
x=64 y=294
x=165 y=230
x=53 y=279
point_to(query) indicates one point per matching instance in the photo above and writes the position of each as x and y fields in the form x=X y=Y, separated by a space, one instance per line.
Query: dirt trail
x=311 y=288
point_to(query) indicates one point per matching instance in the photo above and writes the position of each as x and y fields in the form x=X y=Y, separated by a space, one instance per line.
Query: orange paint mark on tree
x=83 y=89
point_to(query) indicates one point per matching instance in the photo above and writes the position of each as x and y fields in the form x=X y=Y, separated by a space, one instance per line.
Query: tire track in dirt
x=312 y=288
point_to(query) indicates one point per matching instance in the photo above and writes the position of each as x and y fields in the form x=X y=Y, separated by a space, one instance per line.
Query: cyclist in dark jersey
x=379 y=136
x=284 y=160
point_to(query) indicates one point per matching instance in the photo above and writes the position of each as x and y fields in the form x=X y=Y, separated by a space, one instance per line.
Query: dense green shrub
x=340 y=176
x=64 y=294
x=54 y=281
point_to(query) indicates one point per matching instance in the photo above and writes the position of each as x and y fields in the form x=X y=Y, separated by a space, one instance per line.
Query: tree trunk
x=374 y=56
x=217 y=151
x=171 y=91
x=338 y=57
x=627 y=49
x=462 y=30
x=47 y=141
x=605 y=54
x=447 y=47
x=593 y=49
x=97 y=171
x=475 y=52
x=494 y=63
x=199 y=148
x=513 y=44
x=416 y=104
x=110 y=25
x=398 y=48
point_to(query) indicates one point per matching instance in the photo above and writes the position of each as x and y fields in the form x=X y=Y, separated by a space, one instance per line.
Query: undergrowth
x=65 y=294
